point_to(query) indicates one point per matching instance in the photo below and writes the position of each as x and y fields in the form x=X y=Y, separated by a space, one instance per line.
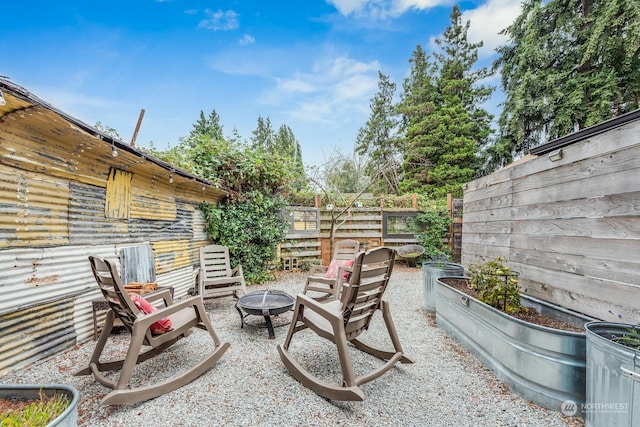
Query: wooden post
x=135 y=132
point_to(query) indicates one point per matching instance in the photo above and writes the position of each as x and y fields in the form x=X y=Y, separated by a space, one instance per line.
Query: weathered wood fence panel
x=364 y=224
x=570 y=226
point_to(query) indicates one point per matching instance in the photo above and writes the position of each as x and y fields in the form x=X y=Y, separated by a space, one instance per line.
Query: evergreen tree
x=287 y=146
x=377 y=139
x=417 y=103
x=263 y=136
x=447 y=124
x=210 y=126
x=569 y=64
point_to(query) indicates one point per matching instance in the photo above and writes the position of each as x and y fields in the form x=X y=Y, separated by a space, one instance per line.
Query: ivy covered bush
x=257 y=175
x=434 y=221
x=252 y=229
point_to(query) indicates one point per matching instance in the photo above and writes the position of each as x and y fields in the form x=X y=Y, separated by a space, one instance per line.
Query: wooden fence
x=568 y=220
x=308 y=240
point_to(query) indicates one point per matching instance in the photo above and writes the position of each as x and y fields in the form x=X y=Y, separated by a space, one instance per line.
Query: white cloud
x=401 y=6
x=347 y=7
x=295 y=85
x=381 y=9
x=219 y=20
x=246 y=40
x=334 y=89
x=488 y=20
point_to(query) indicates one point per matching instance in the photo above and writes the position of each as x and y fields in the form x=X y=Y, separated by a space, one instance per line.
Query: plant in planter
x=543 y=364
x=38 y=405
x=613 y=374
x=497 y=285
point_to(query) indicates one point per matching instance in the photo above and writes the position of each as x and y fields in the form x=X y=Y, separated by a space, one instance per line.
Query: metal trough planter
x=543 y=365
x=69 y=418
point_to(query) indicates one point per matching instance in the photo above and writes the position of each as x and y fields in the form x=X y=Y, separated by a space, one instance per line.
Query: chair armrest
x=149 y=319
x=317 y=307
x=314 y=269
x=237 y=271
x=164 y=294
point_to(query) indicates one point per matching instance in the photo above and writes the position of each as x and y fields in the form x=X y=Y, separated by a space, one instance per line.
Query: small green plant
x=497 y=285
x=439 y=261
x=629 y=338
x=34 y=413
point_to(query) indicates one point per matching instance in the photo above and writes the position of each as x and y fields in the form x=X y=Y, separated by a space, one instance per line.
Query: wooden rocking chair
x=328 y=279
x=184 y=316
x=342 y=321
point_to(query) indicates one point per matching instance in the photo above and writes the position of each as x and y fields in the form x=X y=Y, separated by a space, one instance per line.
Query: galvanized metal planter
x=430 y=273
x=613 y=378
x=69 y=418
x=541 y=364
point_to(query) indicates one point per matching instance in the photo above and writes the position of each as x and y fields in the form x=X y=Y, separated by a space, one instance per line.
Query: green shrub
x=252 y=229
x=434 y=222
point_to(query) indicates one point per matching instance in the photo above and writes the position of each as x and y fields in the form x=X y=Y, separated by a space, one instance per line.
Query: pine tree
x=263 y=138
x=377 y=139
x=450 y=126
x=210 y=126
x=418 y=102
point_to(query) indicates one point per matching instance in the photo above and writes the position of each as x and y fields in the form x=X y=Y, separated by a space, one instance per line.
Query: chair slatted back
x=363 y=295
x=214 y=262
x=346 y=249
x=108 y=279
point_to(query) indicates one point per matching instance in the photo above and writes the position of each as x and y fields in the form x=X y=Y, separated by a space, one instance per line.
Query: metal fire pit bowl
x=264 y=303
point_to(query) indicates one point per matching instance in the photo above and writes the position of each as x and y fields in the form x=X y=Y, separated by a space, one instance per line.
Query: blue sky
x=310 y=64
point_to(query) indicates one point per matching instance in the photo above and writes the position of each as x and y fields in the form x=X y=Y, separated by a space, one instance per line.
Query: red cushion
x=332 y=271
x=161 y=326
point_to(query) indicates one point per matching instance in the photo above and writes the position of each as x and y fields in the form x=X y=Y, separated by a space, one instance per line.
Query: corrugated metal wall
x=33 y=209
x=58 y=205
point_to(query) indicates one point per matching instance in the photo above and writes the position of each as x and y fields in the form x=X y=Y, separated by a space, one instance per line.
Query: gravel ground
x=446 y=385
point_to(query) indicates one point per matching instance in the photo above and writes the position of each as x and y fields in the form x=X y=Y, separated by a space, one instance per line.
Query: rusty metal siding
x=48 y=293
x=54 y=174
x=37 y=275
x=199 y=225
x=33 y=209
x=87 y=222
x=118 y=198
x=37 y=140
x=144 y=206
x=45 y=306
x=36 y=332
x=180 y=228
x=181 y=280
x=174 y=254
